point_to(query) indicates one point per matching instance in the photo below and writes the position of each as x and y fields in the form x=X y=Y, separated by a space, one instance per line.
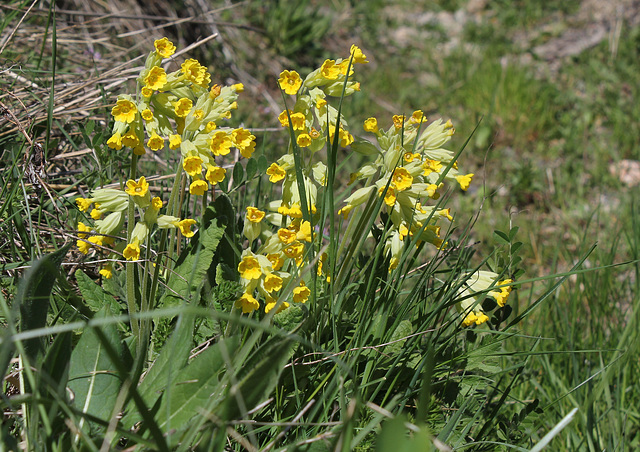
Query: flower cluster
x=313 y=122
x=409 y=168
x=476 y=285
x=112 y=204
x=183 y=111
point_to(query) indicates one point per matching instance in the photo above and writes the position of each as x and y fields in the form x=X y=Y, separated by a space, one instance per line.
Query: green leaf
x=238 y=174
x=165 y=369
x=513 y=232
x=252 y=168
x=93 y=379
x=191 y=268
x=398 y=338
x=196 y=386
x=501 y=237
x=263 y=164
x=33 y=296
x=95 y=296
x=259 y=377
x=364 y=147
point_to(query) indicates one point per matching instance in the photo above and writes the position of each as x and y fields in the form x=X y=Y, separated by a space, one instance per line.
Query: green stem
x=131 y=266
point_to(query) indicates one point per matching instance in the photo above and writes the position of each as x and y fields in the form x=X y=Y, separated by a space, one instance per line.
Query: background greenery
x=557 y=123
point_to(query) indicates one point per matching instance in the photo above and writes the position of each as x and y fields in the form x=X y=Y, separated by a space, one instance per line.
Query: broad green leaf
x=364 y=147
x=485 y=358
x=33 y=296
x=238 y=174
x=196 y=386
x=95 y=296
x=93 y=379
x=259 y=377
x=252 y=168
x=398 y=338
x=501 y=237
x=165 y=369
x=263 y=164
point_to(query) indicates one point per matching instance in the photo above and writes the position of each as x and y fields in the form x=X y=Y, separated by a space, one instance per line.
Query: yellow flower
x=156 y=142
x=431 y=166
x=174 y=141
x=83 y=246
x=290 y=82
x=115 y=142
x=298 y=120
x=243 y=140
x=389 y=197
x=275 y=173
x=401 y=179
x=254 y=215
x=272 y=282
x=196 y=73
x=198 y=187
x=164 y=47
x=210 y=127
x=501 y=297
x=464 y=181
x=247 y=303
x=182 y=107
x=146 y=114
x=107 y=272
x=276 y=261
x=132 y=251
x=249 y=268
x=303 y=140
x=271 y=303
x=130 y=139
x=83 y=204
x=215 y=91
x=96 y=214
x=475 y=317
x=192 y=165
x=124 y=111
x=156 y=78
x=185 y=227
x=329 y=70
x=294 y=250
x=238 y=87
x=156 y=203
x=371 y=125
x=358 y=56
x=301 y=293
x=146 y=92
x=215 y=174
x=220 y=143
x=284 y=118
x=417 y=117
x=286 y=236
x=140 y=188
x=398 y=121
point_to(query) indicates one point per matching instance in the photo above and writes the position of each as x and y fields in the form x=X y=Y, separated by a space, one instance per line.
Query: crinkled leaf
x=33 y=296
x=95 y=296
x=195 y=387
x=93 y=378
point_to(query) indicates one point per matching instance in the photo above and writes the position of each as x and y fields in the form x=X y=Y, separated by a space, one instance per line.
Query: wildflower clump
x=183 y=111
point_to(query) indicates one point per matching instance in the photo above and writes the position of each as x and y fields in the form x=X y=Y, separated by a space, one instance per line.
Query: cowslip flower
x=132 y=251
x=164 y=47
x=192 y=165
x=247 y=303
x=301 y=293
x=290 y=82
x=215 y=174
x=139 y=188
x=464 y=181
x=156 y=78
x=198 y=187
x=155 y=142
x=276 y=173
x=272 y=282
x=249 y=268
x=124 y=111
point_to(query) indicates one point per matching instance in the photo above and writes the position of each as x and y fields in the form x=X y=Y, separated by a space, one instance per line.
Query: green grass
x=541 y=148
